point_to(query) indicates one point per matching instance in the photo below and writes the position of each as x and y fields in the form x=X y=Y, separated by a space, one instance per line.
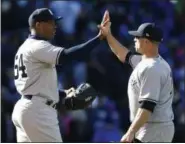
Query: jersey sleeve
x=46 y=52
x=133 y=59
x=150 y=81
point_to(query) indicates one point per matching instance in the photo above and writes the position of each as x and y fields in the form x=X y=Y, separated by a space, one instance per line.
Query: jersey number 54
x=19 y=66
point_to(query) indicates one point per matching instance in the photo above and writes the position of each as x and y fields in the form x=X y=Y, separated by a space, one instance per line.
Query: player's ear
x=146 y=41
x=37 y=24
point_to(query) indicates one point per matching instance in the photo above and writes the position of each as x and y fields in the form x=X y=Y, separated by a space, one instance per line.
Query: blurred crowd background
x=107 y=119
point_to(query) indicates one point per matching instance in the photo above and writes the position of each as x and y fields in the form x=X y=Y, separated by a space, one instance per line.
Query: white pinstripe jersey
x=151 y=80
x=34 y=69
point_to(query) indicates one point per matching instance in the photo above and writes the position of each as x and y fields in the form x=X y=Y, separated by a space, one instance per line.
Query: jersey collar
x=37 y=37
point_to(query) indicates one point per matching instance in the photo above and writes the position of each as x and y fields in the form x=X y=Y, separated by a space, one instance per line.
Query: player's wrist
x=104 y=36
x=109 y=35
x=101 y=36
x=131 y=131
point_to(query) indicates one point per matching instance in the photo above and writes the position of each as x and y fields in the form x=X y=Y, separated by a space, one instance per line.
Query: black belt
x=48 y=102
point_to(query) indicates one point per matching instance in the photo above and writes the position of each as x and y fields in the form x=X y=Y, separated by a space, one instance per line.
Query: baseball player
x=150 y=87
x=35 y=114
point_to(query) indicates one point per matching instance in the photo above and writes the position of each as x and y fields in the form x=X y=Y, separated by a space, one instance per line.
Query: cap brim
x=58 y=18
x=135 y=33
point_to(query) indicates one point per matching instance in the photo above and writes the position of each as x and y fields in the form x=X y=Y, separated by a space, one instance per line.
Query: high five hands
x=105 y=25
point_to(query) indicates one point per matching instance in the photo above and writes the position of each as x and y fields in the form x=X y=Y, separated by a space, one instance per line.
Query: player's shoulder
x=149 y=65
x=38 y=43
x=160 y=64
x=155 y=66
x=35 y=45
x=146 y=63
x=31 y=45
x=133 y=58
x=24 y=47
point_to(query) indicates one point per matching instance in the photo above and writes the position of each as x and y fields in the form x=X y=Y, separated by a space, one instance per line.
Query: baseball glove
x=82 y=98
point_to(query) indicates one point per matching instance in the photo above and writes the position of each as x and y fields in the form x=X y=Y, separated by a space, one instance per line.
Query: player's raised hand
x=105 y=24
x=105 y=29
x=105 y=20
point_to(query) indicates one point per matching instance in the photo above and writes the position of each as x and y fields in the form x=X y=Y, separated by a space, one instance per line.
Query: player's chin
x=138 y=50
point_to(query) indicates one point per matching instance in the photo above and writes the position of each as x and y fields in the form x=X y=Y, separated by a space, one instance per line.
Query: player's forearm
x=79 y=52
x=141 y=118
x=117 y=48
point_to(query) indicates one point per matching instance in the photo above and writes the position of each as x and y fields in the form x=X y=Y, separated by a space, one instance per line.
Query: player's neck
x=37 y=35
x=33 y=32
x=151 y=53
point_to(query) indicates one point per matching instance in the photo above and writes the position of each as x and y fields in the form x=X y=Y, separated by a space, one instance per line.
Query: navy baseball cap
x=149 y=31
x=42 y=15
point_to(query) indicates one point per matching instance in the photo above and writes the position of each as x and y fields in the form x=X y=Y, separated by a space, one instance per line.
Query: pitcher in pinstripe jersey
x=35 y=114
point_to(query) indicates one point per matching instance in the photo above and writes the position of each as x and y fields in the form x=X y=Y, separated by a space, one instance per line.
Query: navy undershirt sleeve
x=80 y=52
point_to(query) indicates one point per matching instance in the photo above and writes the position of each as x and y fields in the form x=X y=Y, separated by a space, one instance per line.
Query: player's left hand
x=128 y=137
x=70 y=92
x=81 y=98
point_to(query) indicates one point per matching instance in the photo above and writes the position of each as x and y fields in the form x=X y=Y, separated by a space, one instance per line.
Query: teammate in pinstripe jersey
x=150 y=87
